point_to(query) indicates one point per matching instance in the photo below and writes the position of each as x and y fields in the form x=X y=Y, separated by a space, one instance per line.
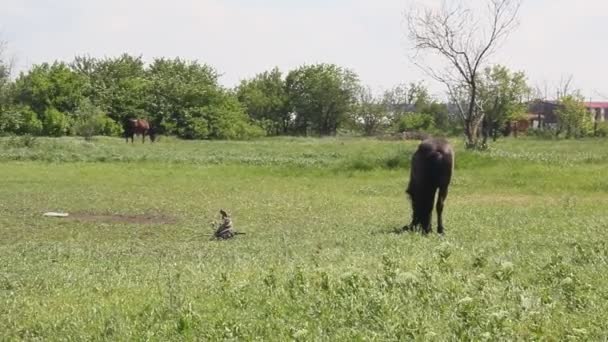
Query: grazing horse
x=431 y=169
x=139 y=127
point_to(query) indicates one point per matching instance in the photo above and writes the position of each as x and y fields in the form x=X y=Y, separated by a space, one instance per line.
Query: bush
x=194 y=128
x=602 y=129
x=55 y=123
x=26 y=140
x=546 y=133
x=416 y=122
x=110 y=127
x=90 y=121
x=228 y=120
x=20 y=120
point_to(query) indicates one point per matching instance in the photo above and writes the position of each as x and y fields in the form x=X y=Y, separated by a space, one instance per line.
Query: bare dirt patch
x=122 y=218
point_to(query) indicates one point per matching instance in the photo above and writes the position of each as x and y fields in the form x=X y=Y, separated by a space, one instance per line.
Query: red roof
x=596 y=104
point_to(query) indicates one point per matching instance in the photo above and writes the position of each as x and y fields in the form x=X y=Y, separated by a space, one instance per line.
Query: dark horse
x=431 y=169
x=139 y=127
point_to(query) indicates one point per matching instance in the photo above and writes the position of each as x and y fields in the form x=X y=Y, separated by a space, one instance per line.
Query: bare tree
x=464 y=41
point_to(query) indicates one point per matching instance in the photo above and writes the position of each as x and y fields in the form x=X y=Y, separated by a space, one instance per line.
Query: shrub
x=26 y=140
x=546 y=133
x=110 y=127
x=91 y=120
x=228 y=120
x=416 y=122
x=20 y=120
x=55 y=123
x=602 y=129
x=194 y=128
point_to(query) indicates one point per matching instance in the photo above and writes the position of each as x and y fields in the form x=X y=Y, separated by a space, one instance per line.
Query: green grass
x=524 y=258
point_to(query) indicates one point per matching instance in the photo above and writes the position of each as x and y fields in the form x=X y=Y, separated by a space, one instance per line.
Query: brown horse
x=139 y=127
x=431 y=169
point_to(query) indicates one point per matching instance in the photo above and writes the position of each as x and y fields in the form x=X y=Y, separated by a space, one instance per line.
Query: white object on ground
x=54 y=214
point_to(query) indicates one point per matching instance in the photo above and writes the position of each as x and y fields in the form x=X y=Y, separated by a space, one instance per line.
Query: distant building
x=598 y=110
x=542 y=113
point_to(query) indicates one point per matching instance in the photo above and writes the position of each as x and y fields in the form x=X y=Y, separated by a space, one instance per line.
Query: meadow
x=525 y=255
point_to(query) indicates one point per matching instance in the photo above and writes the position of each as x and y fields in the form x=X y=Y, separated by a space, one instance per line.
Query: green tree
x=400 y=100
x=228 y=120
x=369 y=115
x=573 y=118
x=439 y=113
x=416 y=122
x=118 y=86
x=176 y=88
x=414 y=97
x=265 y=100
x=50 y=86
x=503 y=94
x=5 y=73
x=186 y=100
x=321 y=96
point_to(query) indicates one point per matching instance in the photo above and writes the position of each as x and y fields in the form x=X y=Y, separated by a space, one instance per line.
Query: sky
x=555 y=39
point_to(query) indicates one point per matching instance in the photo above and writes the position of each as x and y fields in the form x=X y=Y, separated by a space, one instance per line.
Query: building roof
x=593 y=104
x=596 y=104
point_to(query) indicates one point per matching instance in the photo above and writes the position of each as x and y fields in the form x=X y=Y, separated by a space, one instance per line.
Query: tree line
x=91 y=96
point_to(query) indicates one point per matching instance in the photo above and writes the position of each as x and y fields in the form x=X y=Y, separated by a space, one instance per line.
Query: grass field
x=525 y=256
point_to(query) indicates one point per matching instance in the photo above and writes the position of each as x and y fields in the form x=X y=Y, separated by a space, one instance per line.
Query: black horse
x=431 y=169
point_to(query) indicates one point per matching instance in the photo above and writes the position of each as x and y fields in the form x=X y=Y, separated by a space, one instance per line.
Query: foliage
x=416 y=122
x=404 y=99
x=118 y=86
x=90 y=120
x=265 y=99
x=20 y=120
x=55 y=123
x=5 y=75
x=573 y=118
x=179 y=90
x=503 y=94
x=228 y=120
x=22 y=141
x=602 y=129
x=194 y=125
x=369 y=115
x=321 y=96
x=50 y=86
x=178 y=97
x=439 y=113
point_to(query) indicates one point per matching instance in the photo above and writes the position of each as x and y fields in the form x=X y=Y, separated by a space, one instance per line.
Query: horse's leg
x=427 y=212
x=443 y=193
x=412 y=225
x=409 y=192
